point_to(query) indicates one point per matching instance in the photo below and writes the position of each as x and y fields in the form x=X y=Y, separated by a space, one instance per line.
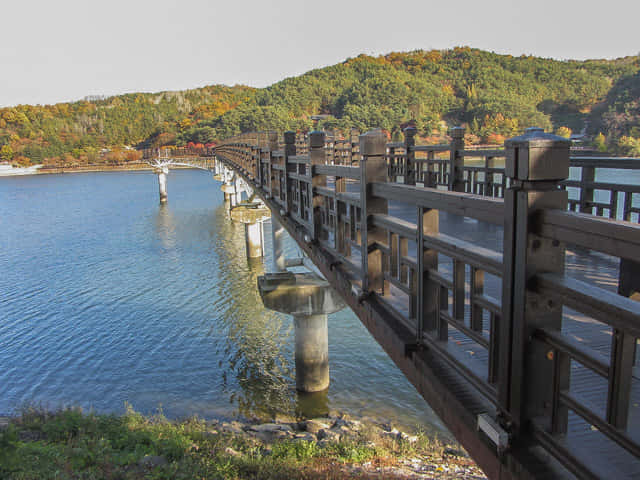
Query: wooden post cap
x=457 y=132
x=410 y=131
x=289 y=137
x=537 y=156
x=316 y=139
x=373 y=143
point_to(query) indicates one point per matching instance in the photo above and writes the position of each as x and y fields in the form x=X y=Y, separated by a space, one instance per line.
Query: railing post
x=629 y=278
x=623 y=350
x=410 y=155
x=489 y=162
x=289 y=150
x=354 y=135
x=373 y=168
x=587 y=174
x=456 y=160
x=255 y=160
x=271 y=146
x=536 y=163
x=317 y=157
x=429 y=297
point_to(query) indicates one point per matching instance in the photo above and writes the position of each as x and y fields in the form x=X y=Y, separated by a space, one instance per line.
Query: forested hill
x=495 y=96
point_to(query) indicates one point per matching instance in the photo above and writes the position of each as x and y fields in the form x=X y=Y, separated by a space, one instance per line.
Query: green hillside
x=495 y=96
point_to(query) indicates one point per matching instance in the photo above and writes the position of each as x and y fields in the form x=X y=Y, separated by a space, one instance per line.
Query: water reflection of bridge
x=510 y=316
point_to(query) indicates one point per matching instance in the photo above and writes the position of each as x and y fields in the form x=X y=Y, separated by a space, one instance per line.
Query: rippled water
x=107 y=297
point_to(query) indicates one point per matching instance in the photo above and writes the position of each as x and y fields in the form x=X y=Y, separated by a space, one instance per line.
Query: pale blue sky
x=52 y=51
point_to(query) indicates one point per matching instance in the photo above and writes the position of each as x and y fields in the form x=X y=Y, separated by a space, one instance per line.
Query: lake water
x=107 y=297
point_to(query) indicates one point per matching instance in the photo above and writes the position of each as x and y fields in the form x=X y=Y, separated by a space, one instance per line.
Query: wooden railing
x=339 y=198
x=177 y=152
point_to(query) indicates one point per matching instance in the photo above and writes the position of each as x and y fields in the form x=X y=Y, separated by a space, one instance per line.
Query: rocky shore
x=40 y=444
x=419 y=457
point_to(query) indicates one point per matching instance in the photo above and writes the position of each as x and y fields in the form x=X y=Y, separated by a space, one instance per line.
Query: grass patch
x=352 y=452
x=70 y=444
x=295 y=450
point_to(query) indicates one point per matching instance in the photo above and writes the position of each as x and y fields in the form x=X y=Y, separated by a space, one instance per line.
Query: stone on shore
x=152 y=461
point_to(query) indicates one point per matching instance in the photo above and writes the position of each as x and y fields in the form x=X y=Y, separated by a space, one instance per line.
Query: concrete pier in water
x=229 y=190
x=277 y=240
x=252 y=215
x=309 y=298
x=162 y=183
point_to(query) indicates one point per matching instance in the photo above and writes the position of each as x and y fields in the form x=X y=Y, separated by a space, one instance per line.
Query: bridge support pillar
x=309 y=299
x=277 y=237
x=252 y=215
x=229 y=191
x=238 y=185
x=253 y=237
x=162 y=183
x=311 y=352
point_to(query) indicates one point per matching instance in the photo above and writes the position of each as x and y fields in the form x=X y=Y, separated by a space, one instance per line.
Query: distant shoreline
x=42 y=170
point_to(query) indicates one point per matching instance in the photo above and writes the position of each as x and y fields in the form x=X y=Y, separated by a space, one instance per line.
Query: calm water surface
x=107 y=298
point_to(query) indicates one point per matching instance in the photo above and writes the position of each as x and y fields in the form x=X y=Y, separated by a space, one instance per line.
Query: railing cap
x=535 y=137
x=537 y=156
x=374 y=142
x=316 y=139
x=457 y=132
x=289 y=137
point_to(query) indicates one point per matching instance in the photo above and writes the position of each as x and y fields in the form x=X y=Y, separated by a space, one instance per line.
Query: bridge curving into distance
x=506 y=292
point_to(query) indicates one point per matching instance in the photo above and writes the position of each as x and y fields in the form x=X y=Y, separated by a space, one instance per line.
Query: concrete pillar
x=312 y=352
x=229 y=195
x=277 y=237
x=252 y=215
x=218 y=172
x=253 y=238
x=309 y=299
x=238 y=184
x=162 y=183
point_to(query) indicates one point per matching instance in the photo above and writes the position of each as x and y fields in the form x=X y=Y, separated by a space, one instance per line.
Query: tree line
x=494 y=96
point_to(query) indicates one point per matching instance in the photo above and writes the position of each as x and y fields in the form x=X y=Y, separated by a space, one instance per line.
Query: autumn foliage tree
x=494 y=96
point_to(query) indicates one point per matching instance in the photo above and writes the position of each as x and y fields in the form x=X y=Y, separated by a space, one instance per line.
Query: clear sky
x=61 y=50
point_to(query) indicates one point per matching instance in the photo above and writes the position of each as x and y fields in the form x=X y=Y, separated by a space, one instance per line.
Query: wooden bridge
x=507 y=303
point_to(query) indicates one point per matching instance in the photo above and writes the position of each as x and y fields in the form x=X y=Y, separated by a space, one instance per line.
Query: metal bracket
x=494 y=432
x=333 y=265
x=363 y=296
x=410 y=348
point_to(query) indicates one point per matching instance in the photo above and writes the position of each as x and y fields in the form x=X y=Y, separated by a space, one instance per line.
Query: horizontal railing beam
x=614 y=237
x=603 y=305
x=481 y=208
